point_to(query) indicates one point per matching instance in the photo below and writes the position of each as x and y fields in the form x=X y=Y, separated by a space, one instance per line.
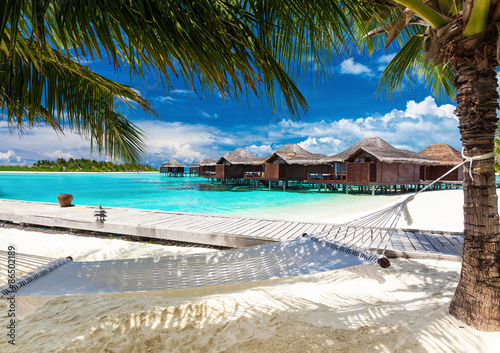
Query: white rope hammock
x=355 y=245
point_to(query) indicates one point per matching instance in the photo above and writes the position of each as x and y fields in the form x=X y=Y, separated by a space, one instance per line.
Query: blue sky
x=343 y=109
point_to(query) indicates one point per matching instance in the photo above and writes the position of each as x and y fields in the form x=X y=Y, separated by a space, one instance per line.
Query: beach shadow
x=327 y=312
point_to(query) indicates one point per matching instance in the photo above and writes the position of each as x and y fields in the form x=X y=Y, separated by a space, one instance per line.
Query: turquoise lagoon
x=186 y=194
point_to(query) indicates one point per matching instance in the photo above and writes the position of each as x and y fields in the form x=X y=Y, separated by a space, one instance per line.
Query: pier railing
x=315 y=177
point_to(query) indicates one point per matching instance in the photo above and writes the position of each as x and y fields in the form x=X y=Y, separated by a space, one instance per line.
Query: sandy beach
x=329 y=312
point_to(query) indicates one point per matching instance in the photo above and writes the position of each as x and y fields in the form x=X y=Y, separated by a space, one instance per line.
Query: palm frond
x=409 y=64
x=45 y=87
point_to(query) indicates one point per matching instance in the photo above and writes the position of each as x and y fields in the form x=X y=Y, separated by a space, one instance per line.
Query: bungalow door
x=358 y=172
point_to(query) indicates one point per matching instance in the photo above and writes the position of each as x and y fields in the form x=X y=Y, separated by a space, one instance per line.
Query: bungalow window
x=279 y=161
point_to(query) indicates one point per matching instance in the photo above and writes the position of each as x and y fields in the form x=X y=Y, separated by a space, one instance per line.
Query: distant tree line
x=79 y=165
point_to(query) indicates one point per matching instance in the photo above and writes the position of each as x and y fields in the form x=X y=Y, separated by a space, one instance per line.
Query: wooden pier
x=219 y=230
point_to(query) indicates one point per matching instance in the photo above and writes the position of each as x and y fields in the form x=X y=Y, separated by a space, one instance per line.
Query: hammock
x=355 y=245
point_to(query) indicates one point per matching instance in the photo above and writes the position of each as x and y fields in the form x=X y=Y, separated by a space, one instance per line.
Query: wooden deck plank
x=258 y=229
x=241 y=222
x=182 y=220
x=267 y=232
x=311 y=230
x=448 y=245
x=201 y=222
x=425 y=242
x=437 y=244
x=244 y=226
x=277 y=231
x=213 y=223
x=415 y=242
x=395 y=243
x=295 y=232
x=285 y=230
x=456 y=240
x=406 y=242
x=210 y=229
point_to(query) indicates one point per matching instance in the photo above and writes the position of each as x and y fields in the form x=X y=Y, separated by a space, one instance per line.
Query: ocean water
x=187 y=194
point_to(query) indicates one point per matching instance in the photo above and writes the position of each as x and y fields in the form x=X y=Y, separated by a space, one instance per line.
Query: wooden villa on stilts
x=172 y=168
x=231 y=167
x=207 y=168
x=373 y=165
x=448 y=158
x=194 y=169
x=291 y=163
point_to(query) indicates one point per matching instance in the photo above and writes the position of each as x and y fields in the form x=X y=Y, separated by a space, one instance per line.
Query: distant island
x=78 y=165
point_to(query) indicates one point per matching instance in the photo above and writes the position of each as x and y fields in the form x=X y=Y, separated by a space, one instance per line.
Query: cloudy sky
x=343 y=109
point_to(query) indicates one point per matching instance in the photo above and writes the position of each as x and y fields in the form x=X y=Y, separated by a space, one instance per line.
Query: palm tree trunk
x=477 y=297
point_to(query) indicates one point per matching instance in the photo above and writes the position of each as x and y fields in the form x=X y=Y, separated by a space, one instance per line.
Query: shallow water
x=187 y=194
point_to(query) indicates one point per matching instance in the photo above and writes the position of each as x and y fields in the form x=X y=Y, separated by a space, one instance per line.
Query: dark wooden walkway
x=217 y=230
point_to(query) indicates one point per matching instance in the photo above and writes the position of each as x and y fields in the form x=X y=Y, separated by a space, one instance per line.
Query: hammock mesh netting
x=355 y=245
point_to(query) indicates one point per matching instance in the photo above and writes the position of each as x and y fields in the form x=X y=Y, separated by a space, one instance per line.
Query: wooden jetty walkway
x=220 y=230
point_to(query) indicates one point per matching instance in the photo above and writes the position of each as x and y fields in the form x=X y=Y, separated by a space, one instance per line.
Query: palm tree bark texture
x=477 y=298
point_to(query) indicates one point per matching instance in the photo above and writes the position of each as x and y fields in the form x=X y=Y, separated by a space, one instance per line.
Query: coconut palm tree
x=238 y=48
x=242 y=46
x=453 y=45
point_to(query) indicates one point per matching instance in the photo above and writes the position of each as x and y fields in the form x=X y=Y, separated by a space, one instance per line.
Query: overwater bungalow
x=448 y=157
x=373 y=164
x=207 y=167
x=233 y=165
x=290 y=163
x=172 y=168
x=194 y=169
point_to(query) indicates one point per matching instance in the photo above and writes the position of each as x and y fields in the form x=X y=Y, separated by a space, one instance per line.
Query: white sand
x=328 y=312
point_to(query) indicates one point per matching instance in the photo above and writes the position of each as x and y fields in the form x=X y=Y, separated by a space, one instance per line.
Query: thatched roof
x=194 y=165
x=208 y=162
x=294 y=154
x=444 y=153
x=241 y=156
x=381 y=150
x=172 y=164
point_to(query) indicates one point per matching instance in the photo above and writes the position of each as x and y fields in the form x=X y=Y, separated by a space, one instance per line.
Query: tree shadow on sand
x=326 y=312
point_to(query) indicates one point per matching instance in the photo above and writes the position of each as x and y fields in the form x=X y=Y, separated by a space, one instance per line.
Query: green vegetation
x=79 y=165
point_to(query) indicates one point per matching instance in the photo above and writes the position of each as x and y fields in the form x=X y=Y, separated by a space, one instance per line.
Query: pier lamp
x=100 y=214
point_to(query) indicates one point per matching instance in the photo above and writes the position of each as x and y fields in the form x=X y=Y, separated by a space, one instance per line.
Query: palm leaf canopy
x=422 y=30
x=234 y=47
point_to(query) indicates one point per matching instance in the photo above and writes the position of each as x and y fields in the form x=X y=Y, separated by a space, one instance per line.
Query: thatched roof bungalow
x=172 y=166
x=233 y=165
x=207 y=167
x=292 y=162
x=448 y=157
x=372 y=161
x=194 y=168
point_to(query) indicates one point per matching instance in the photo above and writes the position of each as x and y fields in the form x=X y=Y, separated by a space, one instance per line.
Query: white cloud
x=323 y=145
x=185 y=142
x=209 y=116
x=183 y=153
x=165 y=99
x=7 y=155
x=263 y=150
x=386 y=58
x=59 y=154
x=10 y=158
x=414 y=128
x=182 y=92
x=428 y=107
x=350 y=67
